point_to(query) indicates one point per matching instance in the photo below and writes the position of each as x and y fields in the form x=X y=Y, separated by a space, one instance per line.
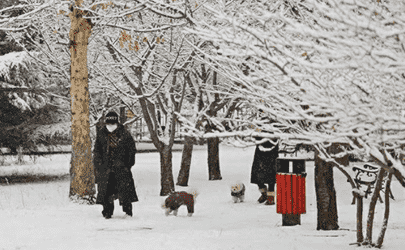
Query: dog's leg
x=175 y=212
x=168 y=211
x=242 y=198
x=235 y=199
x=190 y=214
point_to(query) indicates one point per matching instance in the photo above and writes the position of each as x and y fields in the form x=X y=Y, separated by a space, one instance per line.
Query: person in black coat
x=114 y=155
x=264 y=170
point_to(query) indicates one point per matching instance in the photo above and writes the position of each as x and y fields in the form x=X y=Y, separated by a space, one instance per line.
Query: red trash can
x=290 y=193
x=291 y=196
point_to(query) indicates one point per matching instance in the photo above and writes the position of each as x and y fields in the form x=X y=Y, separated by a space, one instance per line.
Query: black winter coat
x=264 y=168
x=118 y=159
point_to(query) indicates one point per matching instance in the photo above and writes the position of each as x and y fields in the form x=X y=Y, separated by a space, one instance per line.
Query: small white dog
x=238 y=192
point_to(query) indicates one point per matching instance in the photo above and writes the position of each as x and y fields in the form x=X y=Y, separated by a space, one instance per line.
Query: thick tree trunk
x=82 y=185
x=325 y=196
x=182 y=179
x=371 y=210
x=166 y=172
x=214 y=172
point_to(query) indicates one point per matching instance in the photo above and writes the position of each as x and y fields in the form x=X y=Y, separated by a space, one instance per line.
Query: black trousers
x=112 y=190
x=112 y=194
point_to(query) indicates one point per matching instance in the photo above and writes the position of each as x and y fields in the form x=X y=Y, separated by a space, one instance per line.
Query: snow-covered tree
x=202 y=81
x=32 y=95
x=150 y=58
x=328 y=72
x=139 y=54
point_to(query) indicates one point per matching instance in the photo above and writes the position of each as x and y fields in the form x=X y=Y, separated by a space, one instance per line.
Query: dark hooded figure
x=114 y=155
x=264 y=170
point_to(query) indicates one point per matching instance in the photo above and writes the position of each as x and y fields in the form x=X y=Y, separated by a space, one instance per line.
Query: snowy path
x=39 y=215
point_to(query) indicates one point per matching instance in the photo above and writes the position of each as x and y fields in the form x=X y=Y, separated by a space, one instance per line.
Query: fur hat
x=111 y=118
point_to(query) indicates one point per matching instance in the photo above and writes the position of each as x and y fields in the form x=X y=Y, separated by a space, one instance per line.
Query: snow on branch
x=337 y=67
x=26 y=16
x=358 y=192
x=132 y=29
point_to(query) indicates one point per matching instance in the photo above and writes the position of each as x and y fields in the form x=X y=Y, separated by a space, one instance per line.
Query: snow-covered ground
x=40 y=216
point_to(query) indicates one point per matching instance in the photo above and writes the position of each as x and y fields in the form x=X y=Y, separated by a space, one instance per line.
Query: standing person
x=264 y=170
x=114 y=155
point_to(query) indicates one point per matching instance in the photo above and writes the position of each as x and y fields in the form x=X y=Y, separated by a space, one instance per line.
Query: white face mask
x=111 y=127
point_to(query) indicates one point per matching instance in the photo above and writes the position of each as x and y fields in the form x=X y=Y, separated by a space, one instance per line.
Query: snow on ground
x=40 y=216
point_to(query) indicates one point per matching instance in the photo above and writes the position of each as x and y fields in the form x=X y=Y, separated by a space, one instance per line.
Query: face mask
x=111 y=127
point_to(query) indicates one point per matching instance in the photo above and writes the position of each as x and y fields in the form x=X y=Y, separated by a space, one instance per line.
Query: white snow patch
x=40 y=216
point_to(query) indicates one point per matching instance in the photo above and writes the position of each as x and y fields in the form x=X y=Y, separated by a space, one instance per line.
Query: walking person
x=114 y=155
x=264 y=170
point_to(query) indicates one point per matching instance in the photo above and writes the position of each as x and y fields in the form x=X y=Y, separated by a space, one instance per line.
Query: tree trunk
x=82 y=187
x=386 y=213
x=166 y=172
x=325 y=196
x=123 y=116
x=359 y=216
x=371 y=210
x=182 y=179
x=214 y=172
x=99 y=126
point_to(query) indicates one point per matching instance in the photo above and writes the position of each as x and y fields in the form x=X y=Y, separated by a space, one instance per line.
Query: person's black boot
x=127 y=208
x=106 y=213
x=263 y=198
x=108 y=210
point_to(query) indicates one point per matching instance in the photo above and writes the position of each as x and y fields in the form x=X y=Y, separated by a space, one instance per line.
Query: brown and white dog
x=177 y=199
x=238 y=192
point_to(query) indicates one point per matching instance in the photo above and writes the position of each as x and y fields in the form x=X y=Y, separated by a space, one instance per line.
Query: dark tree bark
x=184 y=173
x=359 y=216
x=123 y=116
x=100 y=122
x=166 y=172
x=359 y=198
x=325 y=196
x=214 y=172
x=387 y=211
x=325 y=189
x=371 y=210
